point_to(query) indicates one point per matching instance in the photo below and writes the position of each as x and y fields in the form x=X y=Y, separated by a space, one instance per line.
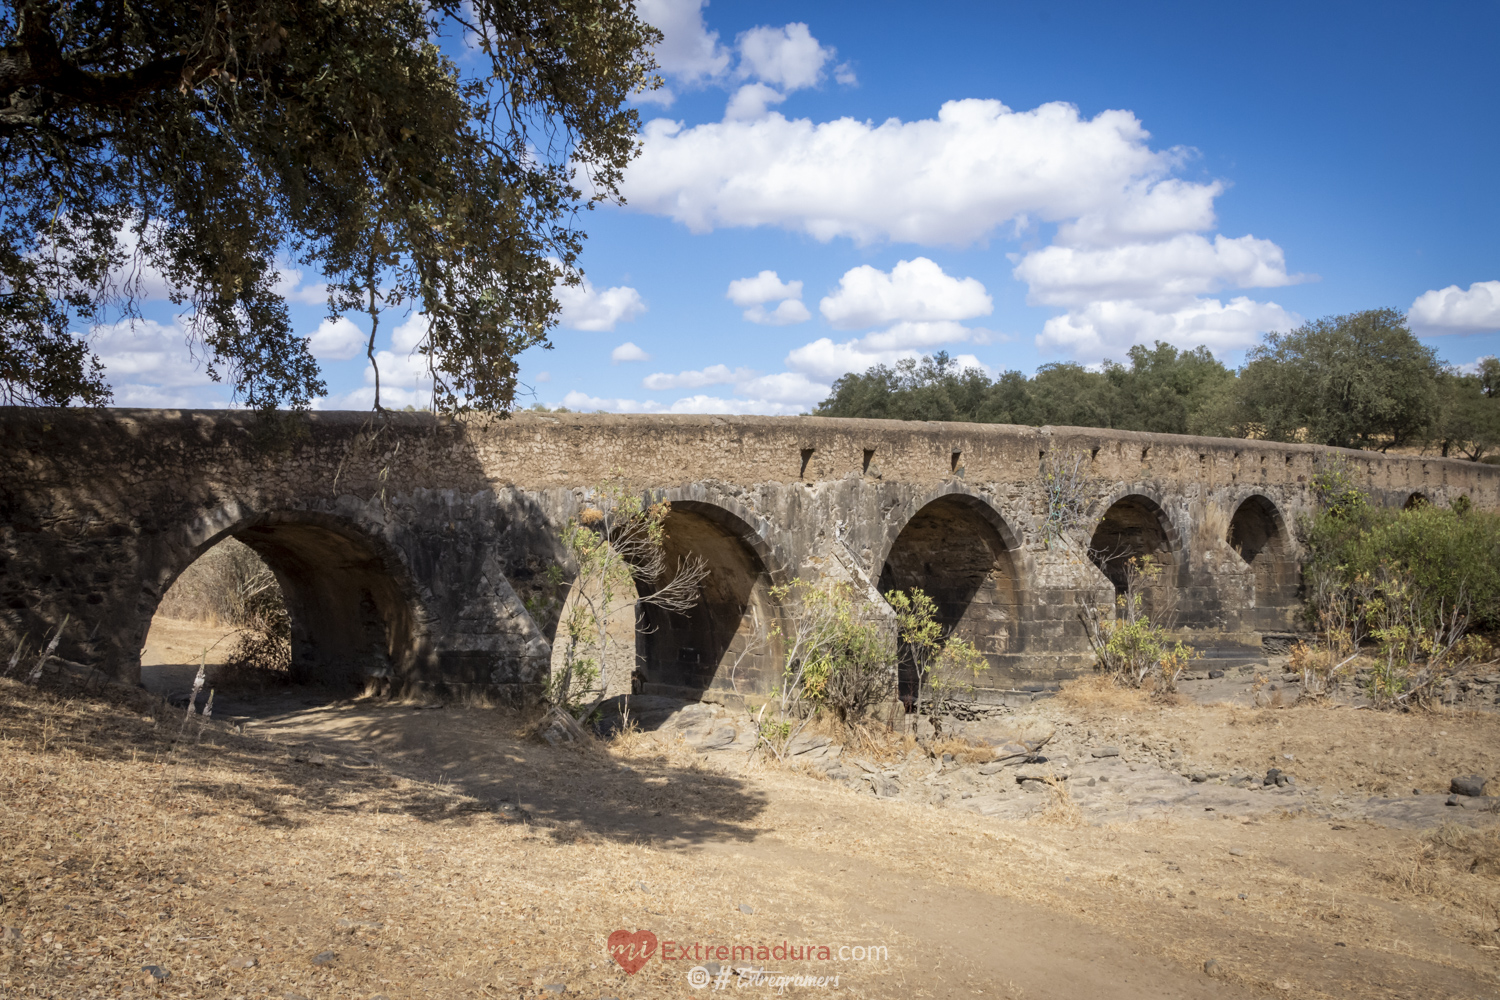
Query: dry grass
x=383 y=821
x=1459 y=869
x=1100 y=693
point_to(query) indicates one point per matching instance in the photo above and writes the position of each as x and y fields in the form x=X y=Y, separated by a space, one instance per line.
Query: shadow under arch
x=959 y=551
x=349 y=596
x=1135 y=526
x=724 y=644
x=1259 y=536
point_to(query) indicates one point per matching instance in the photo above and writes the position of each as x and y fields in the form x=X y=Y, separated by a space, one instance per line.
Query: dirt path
x=369 y=849
x=1041 y=907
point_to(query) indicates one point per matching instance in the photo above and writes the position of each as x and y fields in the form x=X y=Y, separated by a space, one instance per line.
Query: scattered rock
x=1452 y=800
x=1271 y=776
x=556 y=987
x=10 y=935
x=155 y=974
x=1468 y=784
x=867 y=766
x=1213 y=968
x=885 y=788
x=992 y=767
x=350 y=926
x=558 y=728
x=1238 y=852
x=746 y=908
x=1199 y=777
x=512 y=813
x=1106 y=752
x=1038 y=774
x=1214 y=675
x=293 y=996
x=242 y=963
x=324 y=958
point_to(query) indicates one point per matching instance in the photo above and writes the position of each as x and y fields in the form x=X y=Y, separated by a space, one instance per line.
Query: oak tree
x=420 y=154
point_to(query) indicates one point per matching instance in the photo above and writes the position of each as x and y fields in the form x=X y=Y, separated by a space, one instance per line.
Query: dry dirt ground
x=371 y=848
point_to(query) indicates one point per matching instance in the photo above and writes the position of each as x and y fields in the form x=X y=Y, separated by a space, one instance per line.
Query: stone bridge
x=424 y=549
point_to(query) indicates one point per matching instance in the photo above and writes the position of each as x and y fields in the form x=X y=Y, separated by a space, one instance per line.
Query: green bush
x=1450 y=556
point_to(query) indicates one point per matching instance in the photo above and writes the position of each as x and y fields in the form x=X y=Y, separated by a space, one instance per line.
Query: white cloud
x=147 y=363
x=336 y=340
x=950 y=180
x=290 y=287
x=766 y=286
x=1454 y=310
x=584 y=307
x=787 y=313
x=1185 y=265
x=1472 y=368
x=712 y=375
x=1107 y=328
x=914 y=290
x=688 y=404
x=688 y=50
x=788 y=57
x=628 y=352
x=543 y=376
x=751 y=101
x=782 y=392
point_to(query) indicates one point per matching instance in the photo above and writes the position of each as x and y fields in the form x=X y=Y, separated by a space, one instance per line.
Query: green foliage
x=1450 y=556
x=946 y=666
x=617 y=547
x=838 y=656
x=1162 y=390
x=1131 y=648
x=1468 y=422
x=207 y=142
x=1359 y=381
x=1338 y=491
x=1356 y=381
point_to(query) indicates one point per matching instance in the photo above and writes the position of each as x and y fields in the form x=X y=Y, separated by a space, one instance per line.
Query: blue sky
x=825 y=186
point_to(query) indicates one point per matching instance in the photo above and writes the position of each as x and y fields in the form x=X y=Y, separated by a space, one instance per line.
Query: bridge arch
x=1259 y=536
x=959 y=550
x=350 y=597
x=1135 y=525
x=724 y=645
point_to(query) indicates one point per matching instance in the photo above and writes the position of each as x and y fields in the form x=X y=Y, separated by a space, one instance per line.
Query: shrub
x=946 y=667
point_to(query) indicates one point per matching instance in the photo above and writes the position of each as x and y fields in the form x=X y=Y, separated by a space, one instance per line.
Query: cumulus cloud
x=336 y=340
x=688 y=404
x=785 y=314
x=751 y=101
x=1455 y=310
x=688 y=51
x=781 y=392
x=1185 y=265
x=913 y=291
x=290 y=286
x=697 y=379
x=628 y=352
x=788 y=57
x=764 y=288
x=954 y=179
x=584 y=307
x=148 y=364
x=1102 y=329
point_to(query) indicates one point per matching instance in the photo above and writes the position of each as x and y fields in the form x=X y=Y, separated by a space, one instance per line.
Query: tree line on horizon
x=1357 y=381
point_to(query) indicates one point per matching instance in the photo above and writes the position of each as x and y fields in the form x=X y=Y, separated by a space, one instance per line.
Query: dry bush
x=1060 y=809
x=962 y=750
x=1099 y=692
x=219 y=586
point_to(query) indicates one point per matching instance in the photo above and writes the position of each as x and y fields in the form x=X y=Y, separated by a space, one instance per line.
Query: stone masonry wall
x=419 y=548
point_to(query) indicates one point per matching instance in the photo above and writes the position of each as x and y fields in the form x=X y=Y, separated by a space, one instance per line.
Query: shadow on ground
x=437 y=764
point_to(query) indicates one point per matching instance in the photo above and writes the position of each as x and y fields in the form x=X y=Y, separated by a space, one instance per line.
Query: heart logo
x=632 y=951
